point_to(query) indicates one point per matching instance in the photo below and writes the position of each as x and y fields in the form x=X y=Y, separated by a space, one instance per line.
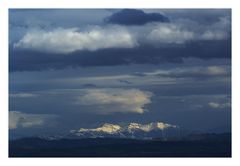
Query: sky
x=73 y=68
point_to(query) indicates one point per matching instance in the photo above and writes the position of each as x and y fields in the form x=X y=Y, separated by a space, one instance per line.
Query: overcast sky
x=81 y=68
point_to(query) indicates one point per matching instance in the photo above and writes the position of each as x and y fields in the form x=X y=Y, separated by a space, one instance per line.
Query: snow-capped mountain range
x=131 y=130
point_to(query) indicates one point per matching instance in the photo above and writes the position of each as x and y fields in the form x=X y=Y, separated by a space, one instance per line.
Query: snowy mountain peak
x=136 y=126
x=106 y=128
x=109 y=128
x=130 y=130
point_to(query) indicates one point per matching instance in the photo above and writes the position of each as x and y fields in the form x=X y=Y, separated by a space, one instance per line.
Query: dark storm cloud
x=135 y=17
x=27 y=60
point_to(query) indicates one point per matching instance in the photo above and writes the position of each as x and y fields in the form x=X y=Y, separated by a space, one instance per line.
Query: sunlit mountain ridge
x=131 y=130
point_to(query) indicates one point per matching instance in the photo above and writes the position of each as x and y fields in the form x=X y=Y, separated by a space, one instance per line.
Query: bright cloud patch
x=23 y=120
x=170 y=33
x=116 y=100
x=217 y=105
x=69 y=40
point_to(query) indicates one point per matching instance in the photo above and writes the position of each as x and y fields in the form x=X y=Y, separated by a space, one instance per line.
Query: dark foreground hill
x=204 y=145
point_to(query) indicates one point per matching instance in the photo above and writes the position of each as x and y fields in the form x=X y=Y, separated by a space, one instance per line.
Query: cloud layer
x=116 y=100
x=19 y=119
x=194 y=72
x=23 y=95
x=65 y=41
x=69 y=40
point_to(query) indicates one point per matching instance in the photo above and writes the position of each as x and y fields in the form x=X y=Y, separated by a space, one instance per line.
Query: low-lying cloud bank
x=19 y=119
